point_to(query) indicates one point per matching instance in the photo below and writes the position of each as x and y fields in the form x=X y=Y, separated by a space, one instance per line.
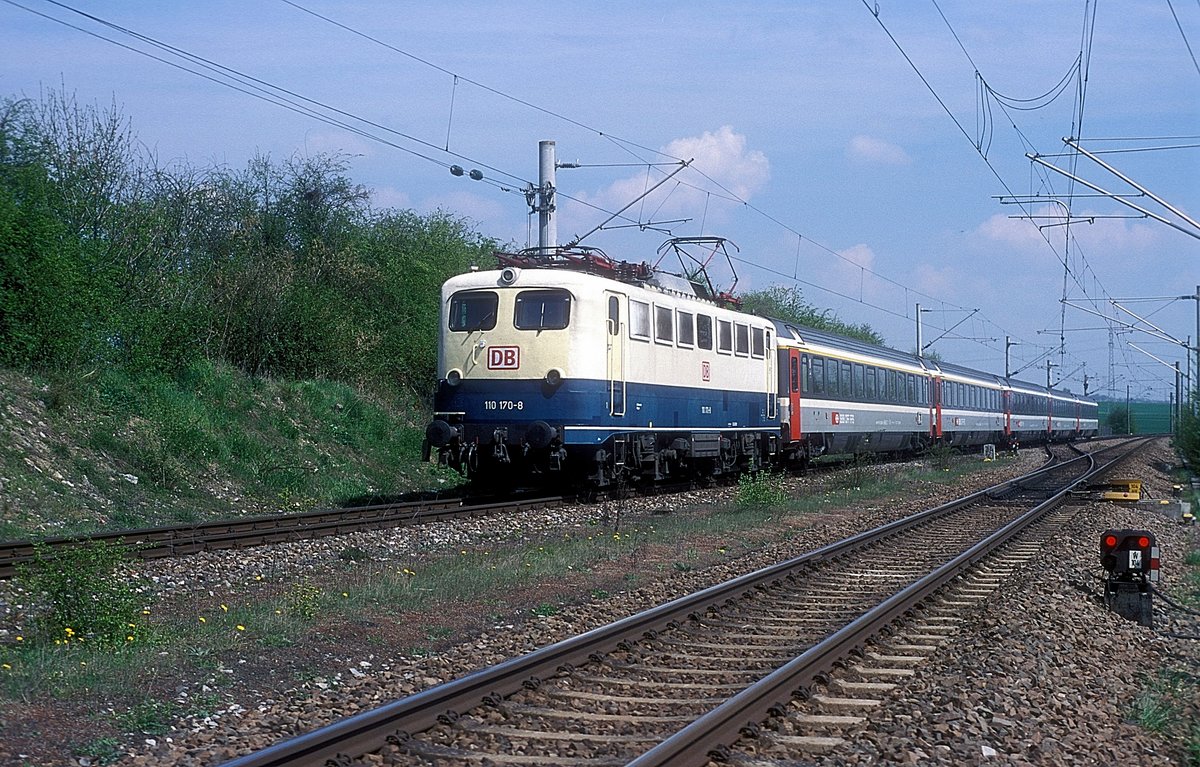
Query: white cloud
x=487 y=214
x=873 y=150
x=390 y=197
x=721 y=155
x=1097 y=235
x=337 y=142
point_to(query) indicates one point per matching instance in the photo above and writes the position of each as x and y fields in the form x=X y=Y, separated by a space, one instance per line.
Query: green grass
x=270 y=444
x=1167 y=701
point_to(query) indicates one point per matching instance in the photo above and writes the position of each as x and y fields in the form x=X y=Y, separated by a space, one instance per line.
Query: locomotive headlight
x=553 y=377
x=454 y=377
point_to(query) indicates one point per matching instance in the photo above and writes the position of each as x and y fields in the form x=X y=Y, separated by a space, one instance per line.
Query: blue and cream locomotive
x=574 y=366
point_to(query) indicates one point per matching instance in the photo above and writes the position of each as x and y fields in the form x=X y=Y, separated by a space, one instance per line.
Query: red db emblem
x=705 y=371
x=503 y=357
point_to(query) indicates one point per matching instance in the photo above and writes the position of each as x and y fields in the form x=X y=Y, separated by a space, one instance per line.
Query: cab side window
x=639 y=320
x=724 y=336
x=664 y=325
x=704 y=337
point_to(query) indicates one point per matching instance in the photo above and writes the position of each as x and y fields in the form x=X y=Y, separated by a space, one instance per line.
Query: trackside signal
x=1130 y=559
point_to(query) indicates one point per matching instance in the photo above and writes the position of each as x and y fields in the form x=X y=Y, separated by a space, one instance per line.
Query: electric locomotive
x=574 y=365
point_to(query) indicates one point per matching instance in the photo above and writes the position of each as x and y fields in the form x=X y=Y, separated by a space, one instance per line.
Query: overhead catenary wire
x=626 y=144
x=311 y=109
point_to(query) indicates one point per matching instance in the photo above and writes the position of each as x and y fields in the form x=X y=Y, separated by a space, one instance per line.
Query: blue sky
x=845 y=170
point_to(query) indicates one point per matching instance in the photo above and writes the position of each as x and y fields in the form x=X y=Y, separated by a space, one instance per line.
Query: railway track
x=754 y=664
x=245 y=532
x=180 y=540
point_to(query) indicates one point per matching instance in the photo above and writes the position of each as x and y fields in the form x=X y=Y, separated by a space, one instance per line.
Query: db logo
x=705 y=371
x=503 y=357
x=836 y=417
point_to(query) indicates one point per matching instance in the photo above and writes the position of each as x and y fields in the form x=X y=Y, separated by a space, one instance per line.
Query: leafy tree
x=280 y=268
x=1187 y=440
x=788 y=304
x=1120 y=419
x=44 y=313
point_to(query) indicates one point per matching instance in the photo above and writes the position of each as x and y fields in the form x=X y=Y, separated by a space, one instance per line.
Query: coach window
x=912 y=389
x=860 y=378
x=869 y=385
x=474 y=310
x=704 y=331
x=758 y=343
x=741 y=339
x=639 y=320
x=818 y=375
x=795 y=368
x=664 y=325
x=847 y=380
x=614 y=315
x=687 y=329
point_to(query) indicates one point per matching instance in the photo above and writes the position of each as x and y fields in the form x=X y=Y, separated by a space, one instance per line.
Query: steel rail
x=709 y=735
x=396 y=721
x=180 y=540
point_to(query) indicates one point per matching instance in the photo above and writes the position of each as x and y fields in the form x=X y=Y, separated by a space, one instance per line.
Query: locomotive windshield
x=475 y=310
x=542 y=310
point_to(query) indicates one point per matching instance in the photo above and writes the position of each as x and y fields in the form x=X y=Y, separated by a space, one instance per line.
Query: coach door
x=935 y=412
x=793 y=392
x=616 y=353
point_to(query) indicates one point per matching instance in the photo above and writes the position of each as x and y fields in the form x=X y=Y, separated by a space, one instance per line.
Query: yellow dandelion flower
x=128 y=639
x=145 y=612
x=20 y=639
x=83 y=663
x=345 y=594
x=5 y=666
x=224 y=608
x=241 y=627
x=203 y=619
x=258 y=577
x=279 y=612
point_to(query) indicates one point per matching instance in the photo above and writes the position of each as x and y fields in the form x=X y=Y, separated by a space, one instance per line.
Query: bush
x=760 y=490
x=81 y=595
